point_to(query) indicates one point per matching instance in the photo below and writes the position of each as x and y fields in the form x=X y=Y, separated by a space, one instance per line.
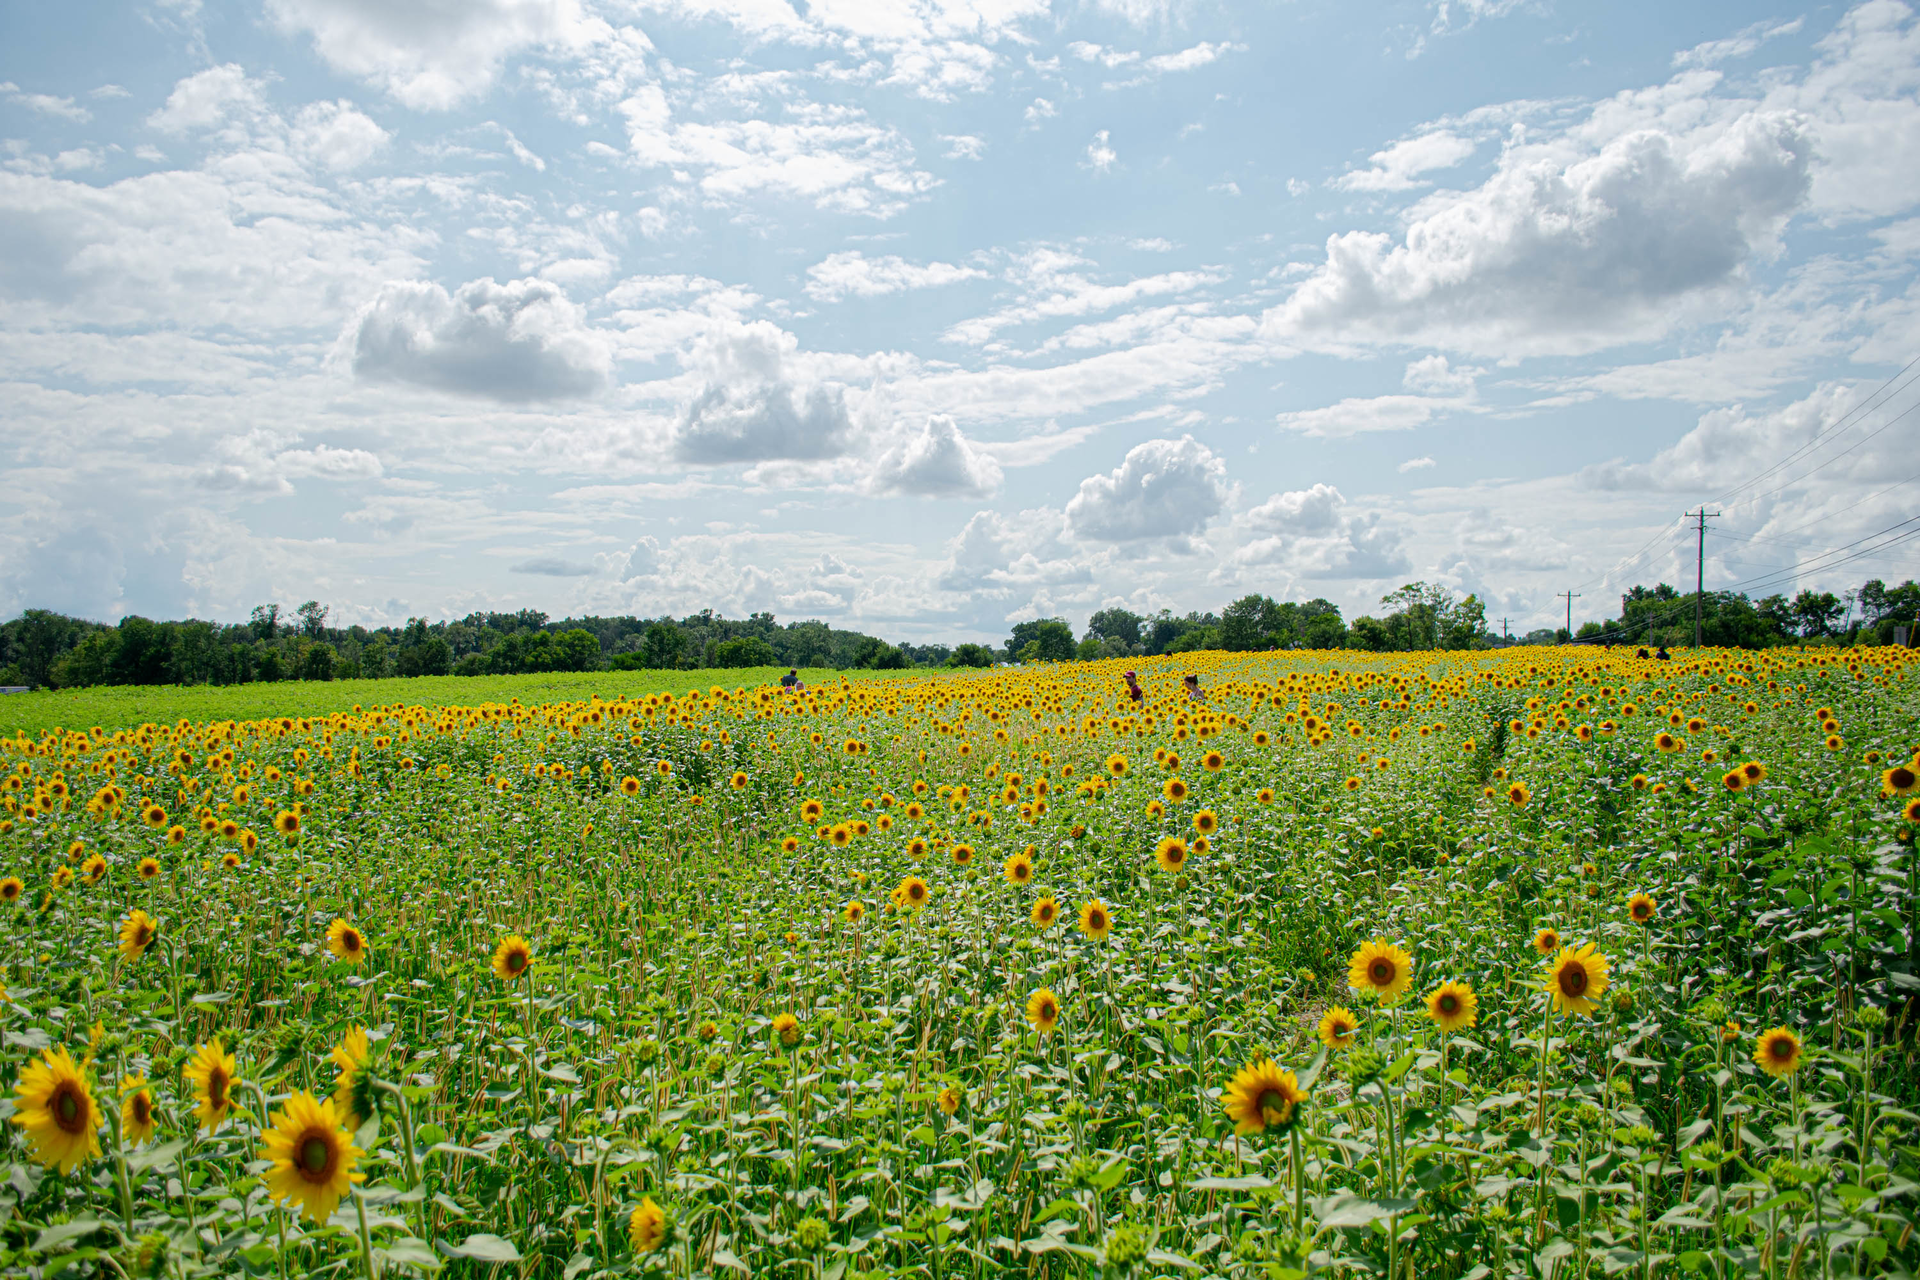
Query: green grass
x=121 y=706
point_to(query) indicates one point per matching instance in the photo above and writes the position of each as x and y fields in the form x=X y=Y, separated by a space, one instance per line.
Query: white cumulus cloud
x=515 y=342
x=852 y=274
x=1163 y=489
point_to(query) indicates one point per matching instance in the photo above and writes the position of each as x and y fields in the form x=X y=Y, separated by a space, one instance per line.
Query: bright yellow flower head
x=313 y=1159
x=1453 y=1006
x=54 y=1103
x=1576 y=979
x=1261 y=1096
x=211 y=1072
x=1382 y=969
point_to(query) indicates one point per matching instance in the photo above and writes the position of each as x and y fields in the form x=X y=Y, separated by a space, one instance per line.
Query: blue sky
x=921 y=316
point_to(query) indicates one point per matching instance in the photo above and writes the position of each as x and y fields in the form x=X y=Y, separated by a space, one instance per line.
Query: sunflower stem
x=366 y=1240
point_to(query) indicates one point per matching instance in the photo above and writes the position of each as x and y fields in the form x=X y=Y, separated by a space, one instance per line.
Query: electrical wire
x=1858 y=409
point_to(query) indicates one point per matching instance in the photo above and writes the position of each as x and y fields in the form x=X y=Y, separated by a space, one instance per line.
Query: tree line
x=44 y=649
x=51 y=650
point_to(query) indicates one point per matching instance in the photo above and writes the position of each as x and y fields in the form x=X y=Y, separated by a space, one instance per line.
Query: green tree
x=971 y=655
x=576 y=650
x=1115 y=624
x=1050 y=639
x=741 y=651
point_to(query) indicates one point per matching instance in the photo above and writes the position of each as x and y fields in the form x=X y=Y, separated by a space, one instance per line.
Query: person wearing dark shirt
x=1134 y=691
x=791 y=680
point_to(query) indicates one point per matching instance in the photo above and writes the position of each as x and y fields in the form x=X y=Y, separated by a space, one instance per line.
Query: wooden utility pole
x=1570 y=597
x=1700 y=569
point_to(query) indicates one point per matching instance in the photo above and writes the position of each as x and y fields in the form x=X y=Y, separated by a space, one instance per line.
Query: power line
x=1860 y=408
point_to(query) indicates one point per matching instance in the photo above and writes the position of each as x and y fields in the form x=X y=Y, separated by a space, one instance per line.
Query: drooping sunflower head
x=647 y=1227
x=1043 y=1011
x=1338 y=1027
x=1778 y=1052
x=1381 y=969
x=512 y=958
x=137 y=933
x=1640 y=908
x=1453 y=1006
x=312 y=1157
x=786 y=1029
x=1576 y=979
x=1261 y=1096
x=1096 y=920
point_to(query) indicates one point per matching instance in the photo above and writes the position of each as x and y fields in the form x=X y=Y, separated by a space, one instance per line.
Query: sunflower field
x=1530 y=963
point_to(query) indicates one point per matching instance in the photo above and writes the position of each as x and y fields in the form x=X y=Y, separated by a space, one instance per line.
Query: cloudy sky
x=921 y=316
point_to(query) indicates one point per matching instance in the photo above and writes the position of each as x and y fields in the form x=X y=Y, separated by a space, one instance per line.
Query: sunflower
x=1640 y=908
x=312 y=1157
x=1175 y=790
x=1338 y=1028
x=1734 y=780
x=211 y=1072
x=1912 y=812
x=1206 y=822
x=1117 y=765
x=149 y=869
x=854 y=911
x=1901 y=780
x=738 y=781
x=647 y=1227
x=1171 y=854
x=1754 y=771
x=154 y=816
x=1778 y=1052
x=914 y=892
x=1547 y=941
x=962 y=854
x=1018 y=869
x=786 y=1029
x=1639 y=782
x=1261 y=1096
x=54 y=1104
x=1576 y=979
x=229 y=860
x=136 y=1110
x=1519 y=795
x=1096 y=920
x=1382 y=968
x=1666 y=742
x=351 y=1056
x=1453 y=1006
x=1263 y=796
x=346 y=942
x=1043 y=1011
x=137 y=933
x=11 y=888
x=841 y=835
x=1213 y=762
x=1045 y=912
x=93 y=869
x=1835 y=742
x=512 y=958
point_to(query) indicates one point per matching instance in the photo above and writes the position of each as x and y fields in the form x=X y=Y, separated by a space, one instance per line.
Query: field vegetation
x=1541 y=962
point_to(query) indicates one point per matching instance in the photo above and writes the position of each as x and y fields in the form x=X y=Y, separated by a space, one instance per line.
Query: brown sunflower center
x=142 y=1108
x=1381 y=972
x=1781 y=1048
x=1097 y=919
x=1449 y=1004
x=68 y=1111
x=1573 y=980
x=1274 y=1105
x=316 y=1155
